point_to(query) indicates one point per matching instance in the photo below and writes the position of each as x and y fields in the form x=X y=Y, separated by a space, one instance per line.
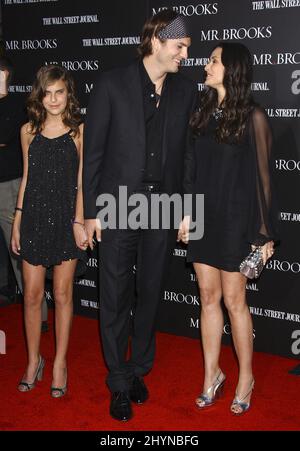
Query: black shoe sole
x=139 y=403
x=121 y=419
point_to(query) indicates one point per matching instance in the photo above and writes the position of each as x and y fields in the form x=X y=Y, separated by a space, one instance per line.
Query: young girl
x=48 y=230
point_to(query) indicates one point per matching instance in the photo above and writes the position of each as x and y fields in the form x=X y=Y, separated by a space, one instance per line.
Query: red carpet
x=173 y=383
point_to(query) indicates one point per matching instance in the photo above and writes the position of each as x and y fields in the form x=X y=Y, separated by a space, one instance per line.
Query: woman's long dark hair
x=238 y=101
x=46 y=76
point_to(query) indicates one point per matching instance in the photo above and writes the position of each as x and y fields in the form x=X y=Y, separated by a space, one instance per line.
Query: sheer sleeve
x=263 y=221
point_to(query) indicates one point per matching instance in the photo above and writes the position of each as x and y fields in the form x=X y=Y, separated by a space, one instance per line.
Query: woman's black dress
x=238 y=203
x=49 y=202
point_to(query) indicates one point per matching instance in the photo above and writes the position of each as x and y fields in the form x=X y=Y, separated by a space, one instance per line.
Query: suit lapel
x=133 y=89
x=175 y=100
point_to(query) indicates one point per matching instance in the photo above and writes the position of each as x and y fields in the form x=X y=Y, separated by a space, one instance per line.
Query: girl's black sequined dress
x=49 y=202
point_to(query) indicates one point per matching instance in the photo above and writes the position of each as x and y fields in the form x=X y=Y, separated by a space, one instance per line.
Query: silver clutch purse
x=253 y=264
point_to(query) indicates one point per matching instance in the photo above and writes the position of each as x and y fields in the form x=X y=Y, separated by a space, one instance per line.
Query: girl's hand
x=80 y=236
x=15 y=240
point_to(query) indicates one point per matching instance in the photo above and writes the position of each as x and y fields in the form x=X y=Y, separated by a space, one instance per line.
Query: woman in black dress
x=48 y=230
x=231 y=150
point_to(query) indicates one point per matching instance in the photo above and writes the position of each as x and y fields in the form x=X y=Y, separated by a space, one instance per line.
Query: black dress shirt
x=154 y=122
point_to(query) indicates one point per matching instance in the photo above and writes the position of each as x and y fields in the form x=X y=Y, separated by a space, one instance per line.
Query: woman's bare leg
x=234 y=292
x=212 y=321
x=34 y=282
x=63 y=296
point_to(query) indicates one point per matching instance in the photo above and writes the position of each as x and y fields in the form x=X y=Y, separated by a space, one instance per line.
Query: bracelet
x=18 y=209
x=76 y=222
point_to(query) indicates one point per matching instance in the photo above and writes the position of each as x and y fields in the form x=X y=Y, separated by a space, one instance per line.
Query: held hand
x=183 y=232
x=80 y=236
x=15 y=241
x=267 y=250
x=92 y=226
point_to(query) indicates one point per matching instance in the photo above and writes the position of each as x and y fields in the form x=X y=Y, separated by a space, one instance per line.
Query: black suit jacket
x=114 y=135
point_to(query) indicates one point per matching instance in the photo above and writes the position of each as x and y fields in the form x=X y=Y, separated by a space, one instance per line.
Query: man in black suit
x=135 y=137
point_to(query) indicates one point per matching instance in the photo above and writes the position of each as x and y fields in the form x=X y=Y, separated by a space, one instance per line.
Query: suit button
x=142 y=170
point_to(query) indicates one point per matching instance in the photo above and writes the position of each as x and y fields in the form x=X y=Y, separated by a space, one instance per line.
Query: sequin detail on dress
x=49 y=202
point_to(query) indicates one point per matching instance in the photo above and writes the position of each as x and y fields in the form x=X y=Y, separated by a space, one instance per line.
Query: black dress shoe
x=120 y=407
x=138 y=391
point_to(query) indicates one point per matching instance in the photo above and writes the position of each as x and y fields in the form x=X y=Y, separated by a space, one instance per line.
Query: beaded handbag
x=253 y=264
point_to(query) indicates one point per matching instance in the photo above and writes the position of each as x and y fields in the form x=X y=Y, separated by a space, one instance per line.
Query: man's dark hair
x=152 y=27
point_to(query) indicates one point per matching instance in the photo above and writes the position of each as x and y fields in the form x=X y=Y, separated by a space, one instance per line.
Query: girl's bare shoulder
x=27 y=134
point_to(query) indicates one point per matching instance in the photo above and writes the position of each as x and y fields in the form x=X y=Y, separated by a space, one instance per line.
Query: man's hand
x=92 y=226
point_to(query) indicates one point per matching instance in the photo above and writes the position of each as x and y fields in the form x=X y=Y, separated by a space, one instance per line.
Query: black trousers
x=119 y=251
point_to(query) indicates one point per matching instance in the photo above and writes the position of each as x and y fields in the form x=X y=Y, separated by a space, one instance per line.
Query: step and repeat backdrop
x=95 y=35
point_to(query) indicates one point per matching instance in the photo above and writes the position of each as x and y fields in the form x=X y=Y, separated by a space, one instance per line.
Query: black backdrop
x=90 y=36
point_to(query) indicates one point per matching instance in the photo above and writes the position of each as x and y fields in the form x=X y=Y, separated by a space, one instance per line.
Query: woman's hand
x=15 y=239
x=184 y=229
x=267 y=250
x=80 y=236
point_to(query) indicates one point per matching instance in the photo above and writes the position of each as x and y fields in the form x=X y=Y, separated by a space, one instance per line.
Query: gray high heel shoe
x=26 y=386
x=214 y=392
x=58 y=392
x=238 y=403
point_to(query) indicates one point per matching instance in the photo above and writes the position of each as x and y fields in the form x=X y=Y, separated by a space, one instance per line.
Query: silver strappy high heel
x=214 y=392
x=58 y=392
x=237 y=403
x=26 y=386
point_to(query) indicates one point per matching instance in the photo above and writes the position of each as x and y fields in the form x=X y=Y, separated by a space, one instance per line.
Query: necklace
x=218 y=113
x=157 y=90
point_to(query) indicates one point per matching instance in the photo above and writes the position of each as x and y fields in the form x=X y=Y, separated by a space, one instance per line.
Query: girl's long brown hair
x=46 y=76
